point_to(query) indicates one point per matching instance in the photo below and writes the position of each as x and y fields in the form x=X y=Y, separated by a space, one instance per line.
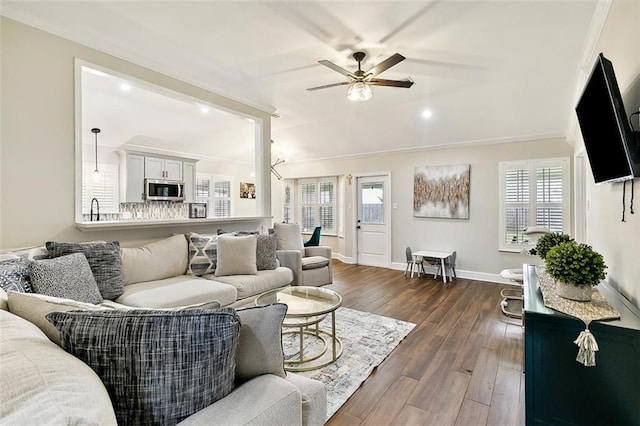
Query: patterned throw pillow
x=104 y=260
x=15 y=275
x=68 y=277
x=158 y=367
x=266 y=252
x=203 y=252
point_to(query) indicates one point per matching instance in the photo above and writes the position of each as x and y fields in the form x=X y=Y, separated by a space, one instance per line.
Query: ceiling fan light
x=359 y=91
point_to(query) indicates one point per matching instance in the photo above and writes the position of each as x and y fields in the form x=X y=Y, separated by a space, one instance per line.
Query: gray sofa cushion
x=252 y=285
x=15 y=275
x=104 y=260
x=67 y=276
x=34 y=308
x=157 y=260
x=158 y=367
x=177 y=291
x=314 y=262
x=260 y=347
x=42 y=384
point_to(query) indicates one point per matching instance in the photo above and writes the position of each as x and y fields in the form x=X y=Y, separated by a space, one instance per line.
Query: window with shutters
x=317 y=204
x=533 y=193
x=215 y=191
x=104 y=187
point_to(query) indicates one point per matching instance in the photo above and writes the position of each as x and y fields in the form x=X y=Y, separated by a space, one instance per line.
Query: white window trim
x=532 y=165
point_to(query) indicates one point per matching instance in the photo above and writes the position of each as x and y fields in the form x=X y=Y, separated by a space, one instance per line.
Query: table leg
x=301 y=344
x=333 y=333
x=444 y=271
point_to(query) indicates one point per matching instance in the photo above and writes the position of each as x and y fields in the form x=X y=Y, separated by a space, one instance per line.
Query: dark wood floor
x=461 y=364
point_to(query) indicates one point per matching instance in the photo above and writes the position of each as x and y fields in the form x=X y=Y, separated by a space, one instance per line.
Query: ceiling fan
x=360 y=82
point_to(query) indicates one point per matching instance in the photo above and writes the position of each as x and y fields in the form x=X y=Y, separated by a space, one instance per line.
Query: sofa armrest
x=323 y=251
x=291 y=259
x=266 y=399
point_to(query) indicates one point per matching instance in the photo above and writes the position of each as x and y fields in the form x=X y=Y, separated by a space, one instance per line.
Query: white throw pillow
x=236 y=256
x=288 y=236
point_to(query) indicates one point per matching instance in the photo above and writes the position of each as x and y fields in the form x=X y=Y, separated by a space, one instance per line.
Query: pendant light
x=96 y=173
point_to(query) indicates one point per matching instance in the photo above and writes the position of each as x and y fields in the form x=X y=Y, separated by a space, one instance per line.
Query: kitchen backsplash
x=156 y=210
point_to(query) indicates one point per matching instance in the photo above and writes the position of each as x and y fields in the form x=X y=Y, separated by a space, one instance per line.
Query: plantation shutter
x=308 y=200
x=326 y=205
x=105 y=189
x=516 y=204
x=533 y=194
x=222 y=198
x=549 y=197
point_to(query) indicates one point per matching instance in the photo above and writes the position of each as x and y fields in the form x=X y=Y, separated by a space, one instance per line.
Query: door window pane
x=372 y=196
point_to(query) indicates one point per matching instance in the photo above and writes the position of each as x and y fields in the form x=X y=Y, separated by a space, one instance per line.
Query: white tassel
x=588 y=347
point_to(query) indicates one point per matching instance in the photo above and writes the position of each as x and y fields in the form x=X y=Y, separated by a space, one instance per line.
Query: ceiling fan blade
x=386 y=64
x=337 y=68
x=344 y=83
x=392 y=83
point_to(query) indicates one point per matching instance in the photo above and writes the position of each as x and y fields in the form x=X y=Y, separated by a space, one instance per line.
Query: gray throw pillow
x=159 y=367
x=15 y=275
x=68 y=277
x=266 y=252
x=260 y=348
x=203 y=254
x=104 y=260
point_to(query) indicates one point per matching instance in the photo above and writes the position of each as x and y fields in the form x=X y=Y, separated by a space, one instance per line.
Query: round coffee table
x=307 y=307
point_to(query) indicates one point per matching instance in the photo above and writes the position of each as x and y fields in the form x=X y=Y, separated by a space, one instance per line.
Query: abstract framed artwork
x=441 y=191
x=247 y=190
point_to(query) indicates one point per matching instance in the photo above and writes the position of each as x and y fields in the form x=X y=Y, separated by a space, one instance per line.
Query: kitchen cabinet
x=131 y=178
x=162 y=168
x=189 y=179
x=558 y=389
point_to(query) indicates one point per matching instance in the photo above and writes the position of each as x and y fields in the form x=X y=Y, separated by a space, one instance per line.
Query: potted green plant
x=547 y=241
x=577 y=268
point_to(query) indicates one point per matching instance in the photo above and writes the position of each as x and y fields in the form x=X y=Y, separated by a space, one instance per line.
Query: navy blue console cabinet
x=561 y=391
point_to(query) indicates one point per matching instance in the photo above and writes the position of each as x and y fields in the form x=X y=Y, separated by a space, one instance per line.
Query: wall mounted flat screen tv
x=605 y=128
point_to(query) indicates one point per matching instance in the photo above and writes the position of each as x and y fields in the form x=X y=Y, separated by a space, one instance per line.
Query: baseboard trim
x=472 y=275
x=342 y=258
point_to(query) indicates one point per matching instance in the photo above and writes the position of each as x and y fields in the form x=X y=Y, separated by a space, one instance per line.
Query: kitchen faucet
x=97 y=208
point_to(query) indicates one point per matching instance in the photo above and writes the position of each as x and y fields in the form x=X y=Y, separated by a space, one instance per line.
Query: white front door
x=373 y=221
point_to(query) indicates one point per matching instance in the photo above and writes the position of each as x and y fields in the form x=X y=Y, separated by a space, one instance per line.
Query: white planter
x=580 y=293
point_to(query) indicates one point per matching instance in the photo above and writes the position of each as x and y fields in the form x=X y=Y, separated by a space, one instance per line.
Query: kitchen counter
x=105 y=225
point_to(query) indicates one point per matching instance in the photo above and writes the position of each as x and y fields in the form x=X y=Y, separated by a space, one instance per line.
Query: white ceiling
x=490 y=71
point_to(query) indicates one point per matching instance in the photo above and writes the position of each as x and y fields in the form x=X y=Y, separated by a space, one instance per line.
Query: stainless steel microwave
x=163 y=190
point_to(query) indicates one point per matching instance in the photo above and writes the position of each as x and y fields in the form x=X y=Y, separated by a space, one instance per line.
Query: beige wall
x=475 y=240
x=37 y=162
x=619 y=242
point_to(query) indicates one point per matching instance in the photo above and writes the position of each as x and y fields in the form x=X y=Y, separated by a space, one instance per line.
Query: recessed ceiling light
x=125 y=87
x=204 y=110
x=427 y=113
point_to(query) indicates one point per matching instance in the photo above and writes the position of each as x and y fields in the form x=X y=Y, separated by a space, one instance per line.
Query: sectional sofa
x=171 y=280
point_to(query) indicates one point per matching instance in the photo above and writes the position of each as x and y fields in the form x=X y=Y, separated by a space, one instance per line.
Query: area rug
x=367 y=340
